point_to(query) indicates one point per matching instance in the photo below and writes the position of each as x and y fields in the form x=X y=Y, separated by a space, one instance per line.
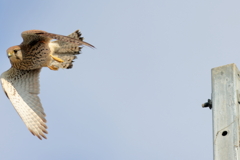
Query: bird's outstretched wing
x=39 y=35
x=22 y=88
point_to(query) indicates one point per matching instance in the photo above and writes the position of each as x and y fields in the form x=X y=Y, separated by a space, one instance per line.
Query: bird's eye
x=15 y=51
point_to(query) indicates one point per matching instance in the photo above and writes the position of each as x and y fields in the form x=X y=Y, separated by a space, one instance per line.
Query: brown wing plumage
x=38 y=35
x=31 y=37
x=66 y=39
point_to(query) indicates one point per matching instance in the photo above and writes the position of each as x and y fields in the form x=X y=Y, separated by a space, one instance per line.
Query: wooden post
x=225 y=107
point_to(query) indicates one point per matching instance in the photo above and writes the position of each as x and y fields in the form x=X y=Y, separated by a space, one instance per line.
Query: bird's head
x=14 y=54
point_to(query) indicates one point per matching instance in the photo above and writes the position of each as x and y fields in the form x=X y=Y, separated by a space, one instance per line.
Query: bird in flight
x=21 y=82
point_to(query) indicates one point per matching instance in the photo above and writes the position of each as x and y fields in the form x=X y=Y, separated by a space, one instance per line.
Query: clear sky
x=138 y=95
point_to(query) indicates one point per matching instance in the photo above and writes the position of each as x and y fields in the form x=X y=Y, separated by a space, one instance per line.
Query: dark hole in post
x=224 y=133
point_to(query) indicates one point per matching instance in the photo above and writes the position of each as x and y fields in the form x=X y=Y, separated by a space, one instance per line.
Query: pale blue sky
x=138 y=95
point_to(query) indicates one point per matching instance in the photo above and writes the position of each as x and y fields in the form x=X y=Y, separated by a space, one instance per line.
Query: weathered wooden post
x=225 y=109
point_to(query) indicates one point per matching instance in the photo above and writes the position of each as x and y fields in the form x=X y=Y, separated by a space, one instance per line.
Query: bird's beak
x=9 y=55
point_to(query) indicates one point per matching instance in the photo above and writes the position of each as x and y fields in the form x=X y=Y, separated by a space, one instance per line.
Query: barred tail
x=67 y=51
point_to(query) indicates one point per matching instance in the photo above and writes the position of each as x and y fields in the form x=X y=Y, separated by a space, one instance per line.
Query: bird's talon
x=53 y=68
x=57 y=59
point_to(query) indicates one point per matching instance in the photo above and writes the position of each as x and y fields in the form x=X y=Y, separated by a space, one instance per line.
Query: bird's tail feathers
x=67 y=51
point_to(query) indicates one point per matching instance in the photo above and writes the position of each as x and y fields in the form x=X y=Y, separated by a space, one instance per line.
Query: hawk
x=21 y=82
